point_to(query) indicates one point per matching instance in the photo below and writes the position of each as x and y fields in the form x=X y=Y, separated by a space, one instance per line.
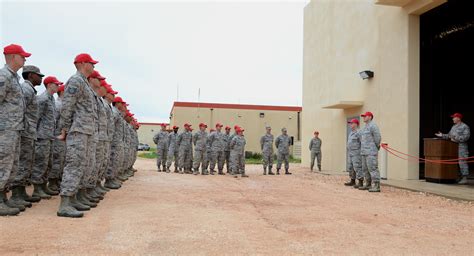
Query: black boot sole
x=69 y=216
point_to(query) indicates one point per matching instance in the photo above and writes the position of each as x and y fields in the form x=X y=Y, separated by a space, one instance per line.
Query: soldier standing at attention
x=208 y=152
x=315 y=148
x=266 y=144
x=185 y=146
x=117 y=148
x=370 y=145
x=161 y=141
x=237 y=153
x=77 y=123
x=354 y=159
x=45 y=134
x=33 y=77
x=173 y=151
x=218 y=144
x=12 y=112
x=59 y=147
x=103 y=92
x=98 y=85
x=460 y=134
x=283 y=143
x=227 y=148
x=200 y=150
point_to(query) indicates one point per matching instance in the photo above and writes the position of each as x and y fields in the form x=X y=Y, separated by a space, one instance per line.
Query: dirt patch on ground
x=160 y=213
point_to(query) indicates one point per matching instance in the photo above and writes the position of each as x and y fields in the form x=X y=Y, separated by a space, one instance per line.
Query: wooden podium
x=440 y=149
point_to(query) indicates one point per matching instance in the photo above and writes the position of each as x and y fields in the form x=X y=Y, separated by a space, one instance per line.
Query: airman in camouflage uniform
x=127 y=144
x=116 y=148
x=237 y=153
x=370 y=145
x=227 y=148
x=59 y=147
x=132 y=147
x=161 y=140
x=106 y=101
x=12 y=107
x=266 y=144
x=354 y=159
x=33 y=77
x=45 y=134
x=208 y=153
x=78 y=118
x=94 y=192
x=218 y=145
x=173 y=150
x=460 y=134
x=200 y=150
x=283 y=143
x=185 y=146
x=315 y=148
x=135 y=143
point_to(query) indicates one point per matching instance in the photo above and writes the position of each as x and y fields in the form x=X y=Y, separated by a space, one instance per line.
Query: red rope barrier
x=446 y=160
x=423 y=160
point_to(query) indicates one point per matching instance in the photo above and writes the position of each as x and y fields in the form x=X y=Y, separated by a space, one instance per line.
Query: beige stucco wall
x=146 y=133
x=248 y=119
x=342 y=38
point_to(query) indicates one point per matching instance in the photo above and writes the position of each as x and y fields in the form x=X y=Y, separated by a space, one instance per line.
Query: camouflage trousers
x=116 y=159
x=237 y=162
x=134 y=156
x=131 y=156
x=207 y=162
x=90 y=173
x=25 y=165
x=129 y=162
x=42 y=162
x=317 y=156
x=283 y=157
x=173 y=155
x=200 y=159
x=9 y=156
x=77 y=161
x=125 y=159
x=59 y=157
x=101 y=160
x=217 y=157
x=227 y=161
x=185 y=158
x=267 y=158
x=370 y=167
x=106 y=161
x=354 y=167
x=463 y=152
x=161 y=154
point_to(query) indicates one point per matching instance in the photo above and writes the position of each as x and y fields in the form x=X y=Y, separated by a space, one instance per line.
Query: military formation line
x=78 y=146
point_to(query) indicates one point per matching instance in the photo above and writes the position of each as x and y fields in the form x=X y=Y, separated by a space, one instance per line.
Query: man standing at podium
x=460 y=134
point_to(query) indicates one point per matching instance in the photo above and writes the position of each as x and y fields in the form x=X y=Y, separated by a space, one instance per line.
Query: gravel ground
x=174 y=214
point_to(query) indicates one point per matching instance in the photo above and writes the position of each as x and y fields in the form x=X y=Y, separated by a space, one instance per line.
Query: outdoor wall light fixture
x=366 y=74
x=262 y=115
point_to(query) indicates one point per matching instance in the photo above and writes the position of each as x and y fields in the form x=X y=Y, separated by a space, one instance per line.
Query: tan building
x=253 y=118
x=420 y=54
x=147 y=131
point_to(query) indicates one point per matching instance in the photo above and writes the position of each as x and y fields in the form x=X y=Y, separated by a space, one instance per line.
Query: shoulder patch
x=72 y=90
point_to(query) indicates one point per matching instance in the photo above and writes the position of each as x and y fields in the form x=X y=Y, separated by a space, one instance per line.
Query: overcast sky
x=235 y=52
